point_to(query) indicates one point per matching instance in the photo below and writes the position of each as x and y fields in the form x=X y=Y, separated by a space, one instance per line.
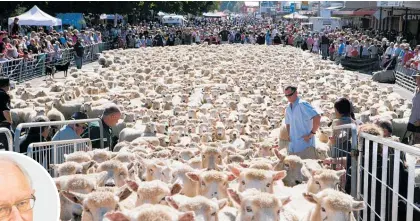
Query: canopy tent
x=110 y=17
x=215 y=14
x=36 y=17
x=295 y=15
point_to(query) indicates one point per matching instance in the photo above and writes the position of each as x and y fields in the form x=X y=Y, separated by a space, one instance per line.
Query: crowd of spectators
x=21 y=44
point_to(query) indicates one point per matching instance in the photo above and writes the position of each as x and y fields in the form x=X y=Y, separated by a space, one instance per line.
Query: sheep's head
x=78 y=157
x=96 y=204
x=204 y=209
x=262 y=180
x=322 y=179
x=189 y=187
x=100 y=155
x=265 y=150
x=333 y=205
x=70 y=168
x=117 y=172
x=151 y=212
x=156 y=170
x=213 y=184
x=293 y=165
x=211 y=158
x=153 y=192
x=256 y=205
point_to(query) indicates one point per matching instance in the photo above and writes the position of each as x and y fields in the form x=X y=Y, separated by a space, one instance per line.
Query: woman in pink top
x=310 y=42
x=315 y=48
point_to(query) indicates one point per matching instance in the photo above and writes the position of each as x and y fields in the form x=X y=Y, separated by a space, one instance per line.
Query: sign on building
x=390 y=4
x=305 y=5
x=411 y=17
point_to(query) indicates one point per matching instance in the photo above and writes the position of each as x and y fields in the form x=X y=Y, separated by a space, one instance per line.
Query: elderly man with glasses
x=302 y=122
x=17 y=197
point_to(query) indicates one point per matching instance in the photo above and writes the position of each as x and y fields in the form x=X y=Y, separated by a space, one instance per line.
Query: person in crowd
x=5 y=116
x=365 y=51
x=277 y=40
x=315 y=47
x=325 y=42
x=414 y=120
x=16 y=192
x=331 y=51
x=79 y=50
x=15 y=30
x=32 y=47
x=35 y=134
x=302 y=122
x=72 y=131
x=310 y=42
x=373 y=50
x=109 y=118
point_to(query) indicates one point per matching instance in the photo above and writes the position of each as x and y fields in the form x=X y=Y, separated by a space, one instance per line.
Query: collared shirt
x=66 y=133
x=299 y=116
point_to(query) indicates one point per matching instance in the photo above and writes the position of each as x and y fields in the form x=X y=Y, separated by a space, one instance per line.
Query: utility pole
x=319 y=8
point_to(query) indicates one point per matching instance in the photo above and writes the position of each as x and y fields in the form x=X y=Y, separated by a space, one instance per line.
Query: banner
x=305 y=5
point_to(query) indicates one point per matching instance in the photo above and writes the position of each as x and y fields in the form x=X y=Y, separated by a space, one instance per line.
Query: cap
x=79 y=116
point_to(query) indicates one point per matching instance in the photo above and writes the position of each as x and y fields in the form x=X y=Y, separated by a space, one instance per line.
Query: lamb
x=262 y=180
x=70 y=168
x=130 y=134
x=67 y=109
x=149 y=212
x=332 y=205
x=256 y=205
x=190 y=188
x=319 y=180
x=153 y=192
x=211 y=158
x=55 y=115
x=213 y=184
x=116 y=174
x=293 y=165
x=78 y=157
x=96 y=204
x=203 y=208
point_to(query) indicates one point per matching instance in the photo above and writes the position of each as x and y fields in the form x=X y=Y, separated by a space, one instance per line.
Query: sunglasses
x=291 y=94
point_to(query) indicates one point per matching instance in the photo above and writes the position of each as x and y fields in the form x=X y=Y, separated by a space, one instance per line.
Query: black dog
x=63 y=67
x=50 y=71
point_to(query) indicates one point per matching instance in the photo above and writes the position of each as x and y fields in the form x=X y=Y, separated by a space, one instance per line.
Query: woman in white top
x=389 y=51
x=348 y=49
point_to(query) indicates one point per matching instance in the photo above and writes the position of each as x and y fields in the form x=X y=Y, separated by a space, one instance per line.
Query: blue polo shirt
x=341 y=49
x=299 y=116
x=65 y=133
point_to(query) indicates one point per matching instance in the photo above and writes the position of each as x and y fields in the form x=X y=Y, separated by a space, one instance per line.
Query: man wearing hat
x=72 y=131
x=5 y=117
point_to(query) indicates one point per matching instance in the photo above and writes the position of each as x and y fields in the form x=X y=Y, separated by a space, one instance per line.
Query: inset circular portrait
x=27 y=191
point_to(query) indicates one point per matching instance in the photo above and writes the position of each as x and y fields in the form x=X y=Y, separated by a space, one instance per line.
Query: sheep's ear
x=116 y=216
x=340 y=173
x=74 y=197
x=310 y=197
x=231 y=177
x=279 y=155
x=132 y=184
x=285 y=200
x=234 y=196
x=279 y=175
x=236 y=171
x=306 y=172
x=193 y=176
x=187 y=216
x=222 y=203
x=170 y=200
x=357 y=205
x=176 y=188
x=123 y=192
x=55 y=166
x=87 y=165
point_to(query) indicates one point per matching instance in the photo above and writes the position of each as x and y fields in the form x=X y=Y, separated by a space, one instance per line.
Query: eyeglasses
x=291 y=94
x=22 y=206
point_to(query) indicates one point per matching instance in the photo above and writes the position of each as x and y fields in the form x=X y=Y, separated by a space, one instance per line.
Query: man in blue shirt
x=71 y=131
x=341 y=51
x=302 y=122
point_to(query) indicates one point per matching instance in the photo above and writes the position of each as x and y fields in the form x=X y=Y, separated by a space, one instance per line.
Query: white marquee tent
x=36 y=17
x=295 y=15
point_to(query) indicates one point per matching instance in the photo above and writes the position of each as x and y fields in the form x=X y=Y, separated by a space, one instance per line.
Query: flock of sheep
x=202 y=134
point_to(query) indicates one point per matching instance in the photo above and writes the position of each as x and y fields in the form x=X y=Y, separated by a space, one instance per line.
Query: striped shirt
x=415 y=111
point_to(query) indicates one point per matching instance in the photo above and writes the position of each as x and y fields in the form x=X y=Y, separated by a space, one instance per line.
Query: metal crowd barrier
x=404 y=77
x=21 y=70
x=18 y=130
x=344 y=154
x=387 y=179
x=47 y=153
x=9 y=138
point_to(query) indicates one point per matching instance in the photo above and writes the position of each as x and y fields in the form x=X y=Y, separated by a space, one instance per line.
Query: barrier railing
x=404 y=77
x=344 y=155
x=9 y=139
x=21 y=70
x=388 y=186
x=18 y=130
x=47 y=153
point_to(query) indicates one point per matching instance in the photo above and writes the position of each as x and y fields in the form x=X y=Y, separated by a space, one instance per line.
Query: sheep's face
x=117 y=172
x=203 y=128
x=323 y=179
x=256 y=205
x=292 y=165
x=148 y=212
x=153 y=192
x=100 y=156
x=262 y=180
x=212 y=184
x=189 y=187
x=151 y=127
x=265 y=151
x=204 y=209
x=192 y=114
x=70 y=168
x=158 y=171
x=333 y=205
x=96 y=204
x=211 y=157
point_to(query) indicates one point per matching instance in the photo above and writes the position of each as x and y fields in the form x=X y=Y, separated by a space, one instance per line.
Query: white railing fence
x=387 y=179
x=58 y=124
x=404 y=77
x=47 y=153
x=9 y=145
